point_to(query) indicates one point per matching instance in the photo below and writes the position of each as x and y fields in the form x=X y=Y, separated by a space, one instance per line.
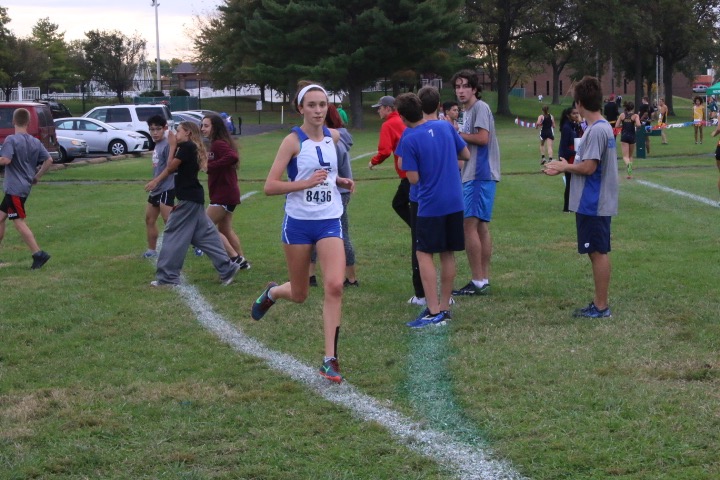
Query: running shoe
x=313 y=281
x=39 y=259
x=263 y=303
x=198 y=252
x=591 y=311
x=242 y=261
x=149 y=253
x=328 y=371
x=348 y=283
x=472 y=289
x=236 y=268
x=417 y=301
x=428 y=319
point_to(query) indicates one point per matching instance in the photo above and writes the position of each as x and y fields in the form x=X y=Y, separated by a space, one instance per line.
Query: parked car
x=184 y=117
x=57 y=109
x=41 y=124
x=71 y=148
x=700 y=88
x=102 y=137
x=131 y=117
x=192 y=113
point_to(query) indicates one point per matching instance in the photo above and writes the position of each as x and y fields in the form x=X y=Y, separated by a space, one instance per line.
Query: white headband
x=305 y=90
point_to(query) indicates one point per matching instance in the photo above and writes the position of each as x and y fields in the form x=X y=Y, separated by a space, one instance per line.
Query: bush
x=152 y=93
x=179 y=92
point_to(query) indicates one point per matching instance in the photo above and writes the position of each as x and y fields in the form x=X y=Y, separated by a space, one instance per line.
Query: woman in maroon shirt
x=223 y=163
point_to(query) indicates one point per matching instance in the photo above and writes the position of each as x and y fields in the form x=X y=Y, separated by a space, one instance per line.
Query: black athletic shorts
x=440 y=234
x=166 y=198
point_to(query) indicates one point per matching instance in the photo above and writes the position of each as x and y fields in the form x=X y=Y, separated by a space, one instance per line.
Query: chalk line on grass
x=691 y=196
x=469 y=462
x=362 y=156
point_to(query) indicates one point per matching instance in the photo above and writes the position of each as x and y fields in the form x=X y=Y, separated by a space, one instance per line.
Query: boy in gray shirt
x=21 y=154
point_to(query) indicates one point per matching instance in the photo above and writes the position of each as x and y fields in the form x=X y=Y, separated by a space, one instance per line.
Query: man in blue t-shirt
x=593 y=191
x=430 y=154
x=21 y=154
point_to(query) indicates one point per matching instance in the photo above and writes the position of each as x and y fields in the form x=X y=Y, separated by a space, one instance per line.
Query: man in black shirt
x=611 y=111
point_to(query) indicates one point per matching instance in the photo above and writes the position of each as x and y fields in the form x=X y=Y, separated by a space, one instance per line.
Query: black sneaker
x=39 y=259
x=348 y=283
x=242 y=261
x=313 y=281
x=471 y=289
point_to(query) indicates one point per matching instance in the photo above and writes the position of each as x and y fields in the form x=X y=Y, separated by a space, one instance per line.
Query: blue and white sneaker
x=591 y=311
x=430 y=319
x=150 y=253
x=198 y=252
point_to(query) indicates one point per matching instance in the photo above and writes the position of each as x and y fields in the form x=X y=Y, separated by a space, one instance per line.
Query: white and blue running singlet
x=322 y=201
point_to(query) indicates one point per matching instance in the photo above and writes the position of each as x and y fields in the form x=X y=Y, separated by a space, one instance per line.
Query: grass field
x=102 y=376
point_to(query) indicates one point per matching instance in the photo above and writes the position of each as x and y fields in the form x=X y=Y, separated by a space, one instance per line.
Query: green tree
x=347 y=45
x=672 y=22
x=48 y=40
x=20 y=62
x=499 y=25
x=558 y=43
x=4 y=20
x=113 y=58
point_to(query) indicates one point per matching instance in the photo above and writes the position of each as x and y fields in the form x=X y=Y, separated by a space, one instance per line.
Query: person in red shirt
x=390 y=133
x=223 y=162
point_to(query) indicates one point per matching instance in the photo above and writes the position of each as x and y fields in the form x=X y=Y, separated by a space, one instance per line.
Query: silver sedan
x=71 y=148
x=100 y=136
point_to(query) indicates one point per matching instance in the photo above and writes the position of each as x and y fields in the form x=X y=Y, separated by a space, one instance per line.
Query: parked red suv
x=41 y=124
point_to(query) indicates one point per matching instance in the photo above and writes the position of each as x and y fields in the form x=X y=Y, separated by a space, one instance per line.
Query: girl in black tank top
x=628 y=122
x=546 y=124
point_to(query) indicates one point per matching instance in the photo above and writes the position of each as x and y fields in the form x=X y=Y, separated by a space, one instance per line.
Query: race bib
x=319 y=195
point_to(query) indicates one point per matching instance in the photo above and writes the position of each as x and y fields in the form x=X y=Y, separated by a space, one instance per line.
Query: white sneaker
x=416 y=301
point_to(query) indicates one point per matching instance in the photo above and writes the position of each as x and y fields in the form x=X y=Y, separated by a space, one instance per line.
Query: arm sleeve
x=224 y=156
x=384 y=146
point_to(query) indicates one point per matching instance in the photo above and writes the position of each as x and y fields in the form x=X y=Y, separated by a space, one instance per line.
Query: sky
x=75 y=17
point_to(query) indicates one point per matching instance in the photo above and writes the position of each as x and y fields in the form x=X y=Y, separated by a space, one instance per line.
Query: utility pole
x=156 y=4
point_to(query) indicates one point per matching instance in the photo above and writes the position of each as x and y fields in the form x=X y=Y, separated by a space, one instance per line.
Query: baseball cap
x=386 y=101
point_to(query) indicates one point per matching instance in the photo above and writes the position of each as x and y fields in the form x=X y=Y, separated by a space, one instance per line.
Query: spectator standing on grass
x=429 y=99
x=452 y=113
x=662 y=119
x=21 y=154
x=611 y=110
x=645 y=111
x=313 y=208
x=480 y=175
x=546 y=124
x=188 y=223
x=390 y=132
x=593 y=192
x=430 y=152
x=333 y=120
x=222 y=166
x=161 y=200
x=628 y=122
x=343 y=115
x=698 y=118
x=569 y=131
x=717 y=152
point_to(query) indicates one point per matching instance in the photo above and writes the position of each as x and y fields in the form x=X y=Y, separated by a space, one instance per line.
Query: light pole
x=199 y=99
x=156 y=4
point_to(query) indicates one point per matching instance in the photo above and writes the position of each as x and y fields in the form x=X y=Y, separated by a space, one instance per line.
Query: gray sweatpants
x=188 y=223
